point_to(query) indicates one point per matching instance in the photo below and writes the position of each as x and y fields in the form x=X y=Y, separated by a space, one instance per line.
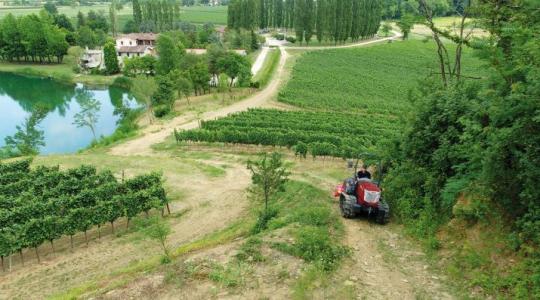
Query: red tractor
x=362 y=195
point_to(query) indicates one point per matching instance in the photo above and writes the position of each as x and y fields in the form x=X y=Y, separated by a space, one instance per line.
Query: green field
x=371 y=80
x=359 y=91
x=192 y=14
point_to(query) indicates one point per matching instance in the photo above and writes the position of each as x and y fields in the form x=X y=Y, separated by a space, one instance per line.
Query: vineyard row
x=45 y=203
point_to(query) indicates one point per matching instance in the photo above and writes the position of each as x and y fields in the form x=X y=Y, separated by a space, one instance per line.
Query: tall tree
x=309 y=20
x=111 y=59
x=170 y=54
x=113 y=19
x=320 y=23
x=137 y=13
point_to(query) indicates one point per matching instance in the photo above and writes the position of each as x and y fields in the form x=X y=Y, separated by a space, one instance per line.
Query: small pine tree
x=269 y=175
x=111 y=60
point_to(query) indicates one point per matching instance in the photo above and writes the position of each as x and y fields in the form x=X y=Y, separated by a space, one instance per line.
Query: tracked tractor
x=362 y=196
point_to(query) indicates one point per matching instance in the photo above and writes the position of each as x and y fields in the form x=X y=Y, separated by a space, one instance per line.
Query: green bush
x=315 y=216
x=161 y=110
x=251 y=248
x=263 y=219
x=314 y=244
x=279 y=36
x=290 y=39
x=123 y=82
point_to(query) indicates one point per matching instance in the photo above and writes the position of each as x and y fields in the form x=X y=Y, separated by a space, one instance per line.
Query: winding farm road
x=155 y=134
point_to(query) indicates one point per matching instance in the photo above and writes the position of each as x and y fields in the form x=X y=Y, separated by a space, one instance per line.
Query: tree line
x=176 y=74
x=327 y=20
x=155 y=15
x=34 y=38
x=43 y=204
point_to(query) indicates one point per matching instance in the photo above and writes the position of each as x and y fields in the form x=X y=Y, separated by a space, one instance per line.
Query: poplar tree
x=137 y=13
x=320 y=24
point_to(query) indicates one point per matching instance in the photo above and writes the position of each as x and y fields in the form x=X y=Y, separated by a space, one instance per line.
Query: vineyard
x=45 y=203
x=316 y=133
x=362 y=102
x=372 y=79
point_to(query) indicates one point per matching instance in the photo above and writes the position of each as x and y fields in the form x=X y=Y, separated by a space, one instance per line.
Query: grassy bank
x=58 y=72
x=269 y=67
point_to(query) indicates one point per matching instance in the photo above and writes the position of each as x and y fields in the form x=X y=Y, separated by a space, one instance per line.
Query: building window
x=130 y=43
x=122 y=43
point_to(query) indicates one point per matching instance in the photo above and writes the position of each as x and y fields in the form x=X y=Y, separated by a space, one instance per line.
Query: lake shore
x=59 y=72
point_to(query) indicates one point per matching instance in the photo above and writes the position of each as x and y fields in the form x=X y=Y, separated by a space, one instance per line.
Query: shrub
x=291 y=39
x=255 y=84
x=251 y=249
x=279 y=36
x=313 y=244
x=123 y=82
x=264 y=218
x=161 y=110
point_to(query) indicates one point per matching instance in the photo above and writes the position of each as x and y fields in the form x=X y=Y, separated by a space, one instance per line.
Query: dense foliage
x=186 y=73
x=33 y=38
x=327 y=19
x=156 y=15
x=46 y=203
x=324 y=133
x=472 y=149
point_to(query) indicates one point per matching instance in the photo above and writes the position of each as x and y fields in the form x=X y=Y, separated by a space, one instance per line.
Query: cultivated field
x=358 y=93
x=373 y=80
x=192 y=14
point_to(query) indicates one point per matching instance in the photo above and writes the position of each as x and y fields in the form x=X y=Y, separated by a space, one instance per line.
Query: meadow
x=192 y=14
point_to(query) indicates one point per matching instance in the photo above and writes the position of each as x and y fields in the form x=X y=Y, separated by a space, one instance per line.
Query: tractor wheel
x=383 y=215
x=346 y=209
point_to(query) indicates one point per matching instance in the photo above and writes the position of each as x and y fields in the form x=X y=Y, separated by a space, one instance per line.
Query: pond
x=70 y=116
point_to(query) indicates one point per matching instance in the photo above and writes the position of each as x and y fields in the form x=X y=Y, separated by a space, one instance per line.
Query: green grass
x=204 y=14
x=269 y=67
x=192 y=14
x=67 y=10
x=123 y=276
x=372 y=79
x=59 y=72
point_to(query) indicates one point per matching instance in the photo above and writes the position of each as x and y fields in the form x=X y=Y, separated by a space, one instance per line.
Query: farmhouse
x=136 y=44
x=92 y=59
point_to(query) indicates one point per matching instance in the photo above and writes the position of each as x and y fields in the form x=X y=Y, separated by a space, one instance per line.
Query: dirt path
x=383 y=264
x=396 y=36
x=202 y=215
x=386 y=266
x=259 y=62
x=155 y=134
x=142 y=145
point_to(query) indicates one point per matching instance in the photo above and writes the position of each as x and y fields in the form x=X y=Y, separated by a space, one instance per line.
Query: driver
x=363 y=173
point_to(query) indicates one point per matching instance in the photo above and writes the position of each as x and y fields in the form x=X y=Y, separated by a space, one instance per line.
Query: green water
x=20 y=96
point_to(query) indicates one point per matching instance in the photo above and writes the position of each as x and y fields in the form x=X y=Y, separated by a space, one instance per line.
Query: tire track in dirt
x=383 y=265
